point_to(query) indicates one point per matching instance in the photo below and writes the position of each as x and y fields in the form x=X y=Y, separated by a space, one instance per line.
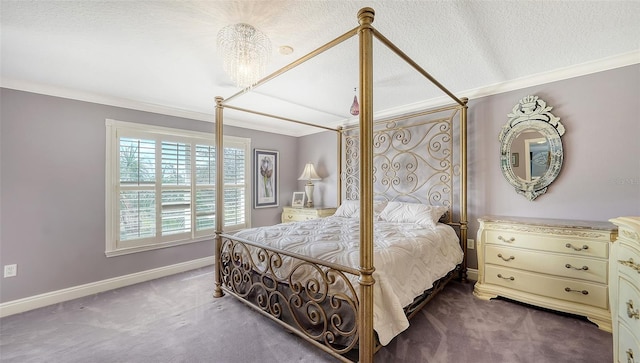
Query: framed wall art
x=298 y=199
x=265 y=181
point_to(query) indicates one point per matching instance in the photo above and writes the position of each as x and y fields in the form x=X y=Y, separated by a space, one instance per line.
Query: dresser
x=291 y=214
x=557 y=264
x=624 y=289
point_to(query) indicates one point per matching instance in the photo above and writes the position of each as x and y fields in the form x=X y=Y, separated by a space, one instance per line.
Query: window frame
x=117 y=129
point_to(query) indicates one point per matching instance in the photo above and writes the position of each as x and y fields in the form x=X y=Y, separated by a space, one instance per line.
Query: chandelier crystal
x=246 y=51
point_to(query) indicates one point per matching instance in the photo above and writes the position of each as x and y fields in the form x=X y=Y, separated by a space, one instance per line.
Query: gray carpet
x=175 y=319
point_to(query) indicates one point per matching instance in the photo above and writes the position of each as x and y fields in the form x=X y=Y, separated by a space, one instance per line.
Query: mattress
x=408 y=258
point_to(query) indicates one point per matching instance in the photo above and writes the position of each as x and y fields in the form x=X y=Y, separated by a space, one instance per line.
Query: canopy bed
x=404 y=182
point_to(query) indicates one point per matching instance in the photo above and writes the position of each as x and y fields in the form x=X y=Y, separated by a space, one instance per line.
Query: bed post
x=339 y=168
x=463 y=186
x=219 y=137
x=365 y=311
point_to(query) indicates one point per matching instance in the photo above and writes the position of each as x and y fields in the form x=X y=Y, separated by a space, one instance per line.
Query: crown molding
x=78 y=95
x=578 y=70
x=533 y=80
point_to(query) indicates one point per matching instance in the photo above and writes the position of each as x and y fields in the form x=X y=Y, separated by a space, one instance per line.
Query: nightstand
x=291 y=214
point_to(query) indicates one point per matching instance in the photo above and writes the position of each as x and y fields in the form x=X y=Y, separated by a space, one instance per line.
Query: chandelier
x=246 y=51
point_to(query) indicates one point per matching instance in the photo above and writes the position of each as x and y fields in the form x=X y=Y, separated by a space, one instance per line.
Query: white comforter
x=408 y=258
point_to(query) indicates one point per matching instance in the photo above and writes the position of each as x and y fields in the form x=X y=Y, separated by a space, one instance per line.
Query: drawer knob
x=585 y=268
x=631 y=264
x=584 y=247
x=631 y=312
x=511 y=278
x=506 y=240
x=506 y=259
x=583 y=292
x=630 y=356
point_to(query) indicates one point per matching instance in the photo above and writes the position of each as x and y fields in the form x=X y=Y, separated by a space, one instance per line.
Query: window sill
x=155 y=246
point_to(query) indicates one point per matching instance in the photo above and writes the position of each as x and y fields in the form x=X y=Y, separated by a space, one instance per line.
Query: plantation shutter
x=161 y=186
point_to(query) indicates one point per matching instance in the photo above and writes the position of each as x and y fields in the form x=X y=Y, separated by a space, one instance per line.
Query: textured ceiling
x=161 y=55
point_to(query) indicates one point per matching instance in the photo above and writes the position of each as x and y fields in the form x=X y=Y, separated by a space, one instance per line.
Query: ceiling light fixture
x=245 y=51
x=355 y=107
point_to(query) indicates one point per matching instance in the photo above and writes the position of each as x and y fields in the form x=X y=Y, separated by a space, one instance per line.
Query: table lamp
x=309 y=174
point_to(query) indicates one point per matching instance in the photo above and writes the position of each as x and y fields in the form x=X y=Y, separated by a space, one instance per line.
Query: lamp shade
x=309 y=173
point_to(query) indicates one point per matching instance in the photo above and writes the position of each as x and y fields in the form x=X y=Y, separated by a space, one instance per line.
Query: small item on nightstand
x=297 y=200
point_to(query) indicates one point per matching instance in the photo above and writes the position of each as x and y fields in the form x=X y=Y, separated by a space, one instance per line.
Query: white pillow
x=401 y=212
x=351 y=208
x=348 y=209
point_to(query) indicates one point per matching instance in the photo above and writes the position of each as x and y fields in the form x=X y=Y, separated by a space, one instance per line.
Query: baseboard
x=54 y=297
x=472 y=274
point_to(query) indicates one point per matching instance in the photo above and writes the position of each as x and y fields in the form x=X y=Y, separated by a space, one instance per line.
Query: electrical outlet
x=10 y=270
x=471 y=244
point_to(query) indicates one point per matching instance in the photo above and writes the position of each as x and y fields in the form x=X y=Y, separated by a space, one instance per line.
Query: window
x=161 y=186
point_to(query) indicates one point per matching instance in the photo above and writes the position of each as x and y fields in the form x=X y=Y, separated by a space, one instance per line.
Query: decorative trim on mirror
x=534 y=133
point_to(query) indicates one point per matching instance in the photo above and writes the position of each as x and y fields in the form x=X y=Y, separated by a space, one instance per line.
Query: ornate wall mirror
x=530 y=147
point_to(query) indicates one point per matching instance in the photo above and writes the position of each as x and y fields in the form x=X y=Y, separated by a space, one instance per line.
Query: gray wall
x=52 y=195
x=321 y=149
x=600 y=178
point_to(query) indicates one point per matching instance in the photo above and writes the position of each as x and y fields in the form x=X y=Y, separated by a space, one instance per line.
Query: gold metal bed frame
x=311 y=308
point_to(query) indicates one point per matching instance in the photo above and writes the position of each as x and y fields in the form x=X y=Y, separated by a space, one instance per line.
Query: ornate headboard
x=416 y=158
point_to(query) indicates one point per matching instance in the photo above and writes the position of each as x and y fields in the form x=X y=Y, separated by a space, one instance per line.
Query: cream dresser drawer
x=556 y=264
x=628 y=261
x=290 y=214
x=624 y=292
x=598 y=246
x=628 y=348
x=629 y=303
x=545 y=285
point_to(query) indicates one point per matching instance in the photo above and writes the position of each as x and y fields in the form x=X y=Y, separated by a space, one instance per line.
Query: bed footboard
x=314 y=299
